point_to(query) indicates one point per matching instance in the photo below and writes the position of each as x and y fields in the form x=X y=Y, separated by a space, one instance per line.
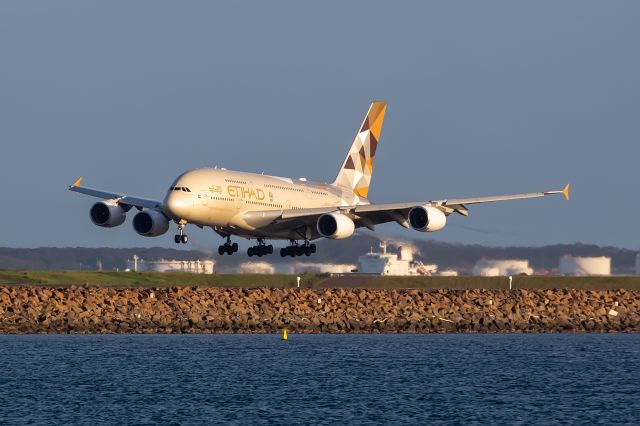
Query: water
x=355 y=379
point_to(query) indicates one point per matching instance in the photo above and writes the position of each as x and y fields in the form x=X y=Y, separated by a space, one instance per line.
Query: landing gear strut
x=298 y=250
x=181 y=237
x=261 y=249
x=228 y=247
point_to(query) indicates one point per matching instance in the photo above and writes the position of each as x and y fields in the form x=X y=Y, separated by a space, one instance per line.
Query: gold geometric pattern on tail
x=357 y=168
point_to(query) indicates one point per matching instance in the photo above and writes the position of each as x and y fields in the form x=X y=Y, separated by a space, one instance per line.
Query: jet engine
x=427 y=219
x=150 y=223
x=107 y=214
x=335 y=226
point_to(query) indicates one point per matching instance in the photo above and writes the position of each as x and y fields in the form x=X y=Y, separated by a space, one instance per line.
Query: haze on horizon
x=483 y=99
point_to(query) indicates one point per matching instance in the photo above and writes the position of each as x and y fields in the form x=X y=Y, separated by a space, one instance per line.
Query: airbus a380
x=262 y=207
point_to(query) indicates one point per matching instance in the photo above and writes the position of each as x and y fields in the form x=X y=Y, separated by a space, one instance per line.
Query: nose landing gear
x=181 y=237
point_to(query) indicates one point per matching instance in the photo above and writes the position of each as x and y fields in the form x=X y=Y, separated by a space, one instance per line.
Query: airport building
x=323 y=268
x=584 y=266
x=501 y=267
x=262 y=267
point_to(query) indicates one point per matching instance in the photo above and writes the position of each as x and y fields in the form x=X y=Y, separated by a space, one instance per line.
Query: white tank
x=501 y=267
x=582 y=266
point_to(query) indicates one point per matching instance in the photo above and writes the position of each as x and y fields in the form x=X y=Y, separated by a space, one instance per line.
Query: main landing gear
x=298 y=250
x=261 y=249
x=181 y=237
x=228 y=247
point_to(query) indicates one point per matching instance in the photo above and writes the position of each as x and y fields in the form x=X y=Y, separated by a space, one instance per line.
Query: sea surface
x=320 y=379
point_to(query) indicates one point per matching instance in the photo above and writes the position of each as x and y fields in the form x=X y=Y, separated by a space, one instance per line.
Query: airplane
x=262 y=207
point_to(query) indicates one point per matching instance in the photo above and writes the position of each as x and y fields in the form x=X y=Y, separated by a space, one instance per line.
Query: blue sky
x=484 y=98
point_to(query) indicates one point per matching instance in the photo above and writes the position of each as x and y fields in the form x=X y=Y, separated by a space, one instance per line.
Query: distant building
x=583 y=266
x=323 y=268
x=189 y=266
x=501 y=267
x=256 y=268
x=385 y=263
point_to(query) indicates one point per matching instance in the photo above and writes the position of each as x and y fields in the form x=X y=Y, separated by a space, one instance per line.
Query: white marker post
x=510 y=280
x=298 y=278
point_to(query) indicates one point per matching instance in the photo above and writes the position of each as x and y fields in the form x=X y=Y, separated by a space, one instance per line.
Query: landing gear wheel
x=312 y=247
x=177 y=238
x=234 y=248
x=250 y=251
x=270 y=249
x=229 y=250
x=184 y=239
x=221 y=250
x=307 y=251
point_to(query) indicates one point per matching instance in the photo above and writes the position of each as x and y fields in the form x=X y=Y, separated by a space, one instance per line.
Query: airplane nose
x=176 y=205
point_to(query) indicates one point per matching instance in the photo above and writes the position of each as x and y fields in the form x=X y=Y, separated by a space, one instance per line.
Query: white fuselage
x=221 y=198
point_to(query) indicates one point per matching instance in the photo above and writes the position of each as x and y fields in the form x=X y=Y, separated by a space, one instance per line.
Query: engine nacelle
x=335 y=226
x=107 y=214
x=150 y=223
x=427 y=219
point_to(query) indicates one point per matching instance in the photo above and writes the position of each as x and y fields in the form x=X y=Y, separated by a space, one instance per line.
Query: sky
x=484 y=98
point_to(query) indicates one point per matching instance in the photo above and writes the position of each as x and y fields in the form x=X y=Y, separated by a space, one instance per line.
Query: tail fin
x=357 y=168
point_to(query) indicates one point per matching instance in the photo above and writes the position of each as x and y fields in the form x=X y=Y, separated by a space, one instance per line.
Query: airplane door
x=204 y=197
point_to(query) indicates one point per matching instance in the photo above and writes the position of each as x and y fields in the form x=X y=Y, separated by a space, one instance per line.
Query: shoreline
x=97 y=310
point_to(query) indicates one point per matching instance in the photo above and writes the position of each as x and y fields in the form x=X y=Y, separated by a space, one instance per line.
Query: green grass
x=155 y=279
x=148 y=279
x=534 y=281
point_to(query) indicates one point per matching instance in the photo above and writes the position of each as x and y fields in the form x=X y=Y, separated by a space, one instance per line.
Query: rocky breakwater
x=216 y=310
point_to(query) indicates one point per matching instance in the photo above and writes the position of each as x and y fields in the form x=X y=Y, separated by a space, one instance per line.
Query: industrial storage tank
x=137 y=264
x=190 y=266
x=497 y=267
x=583 y=266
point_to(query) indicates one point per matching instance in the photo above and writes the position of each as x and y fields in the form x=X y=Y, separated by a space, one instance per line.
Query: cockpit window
x=179 y=188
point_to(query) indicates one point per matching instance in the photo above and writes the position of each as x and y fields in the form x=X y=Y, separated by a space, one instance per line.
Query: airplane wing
x=124 y=200
x=373 y=214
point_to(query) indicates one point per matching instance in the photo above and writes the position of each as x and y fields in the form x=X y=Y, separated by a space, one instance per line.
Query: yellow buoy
x=284 y=334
